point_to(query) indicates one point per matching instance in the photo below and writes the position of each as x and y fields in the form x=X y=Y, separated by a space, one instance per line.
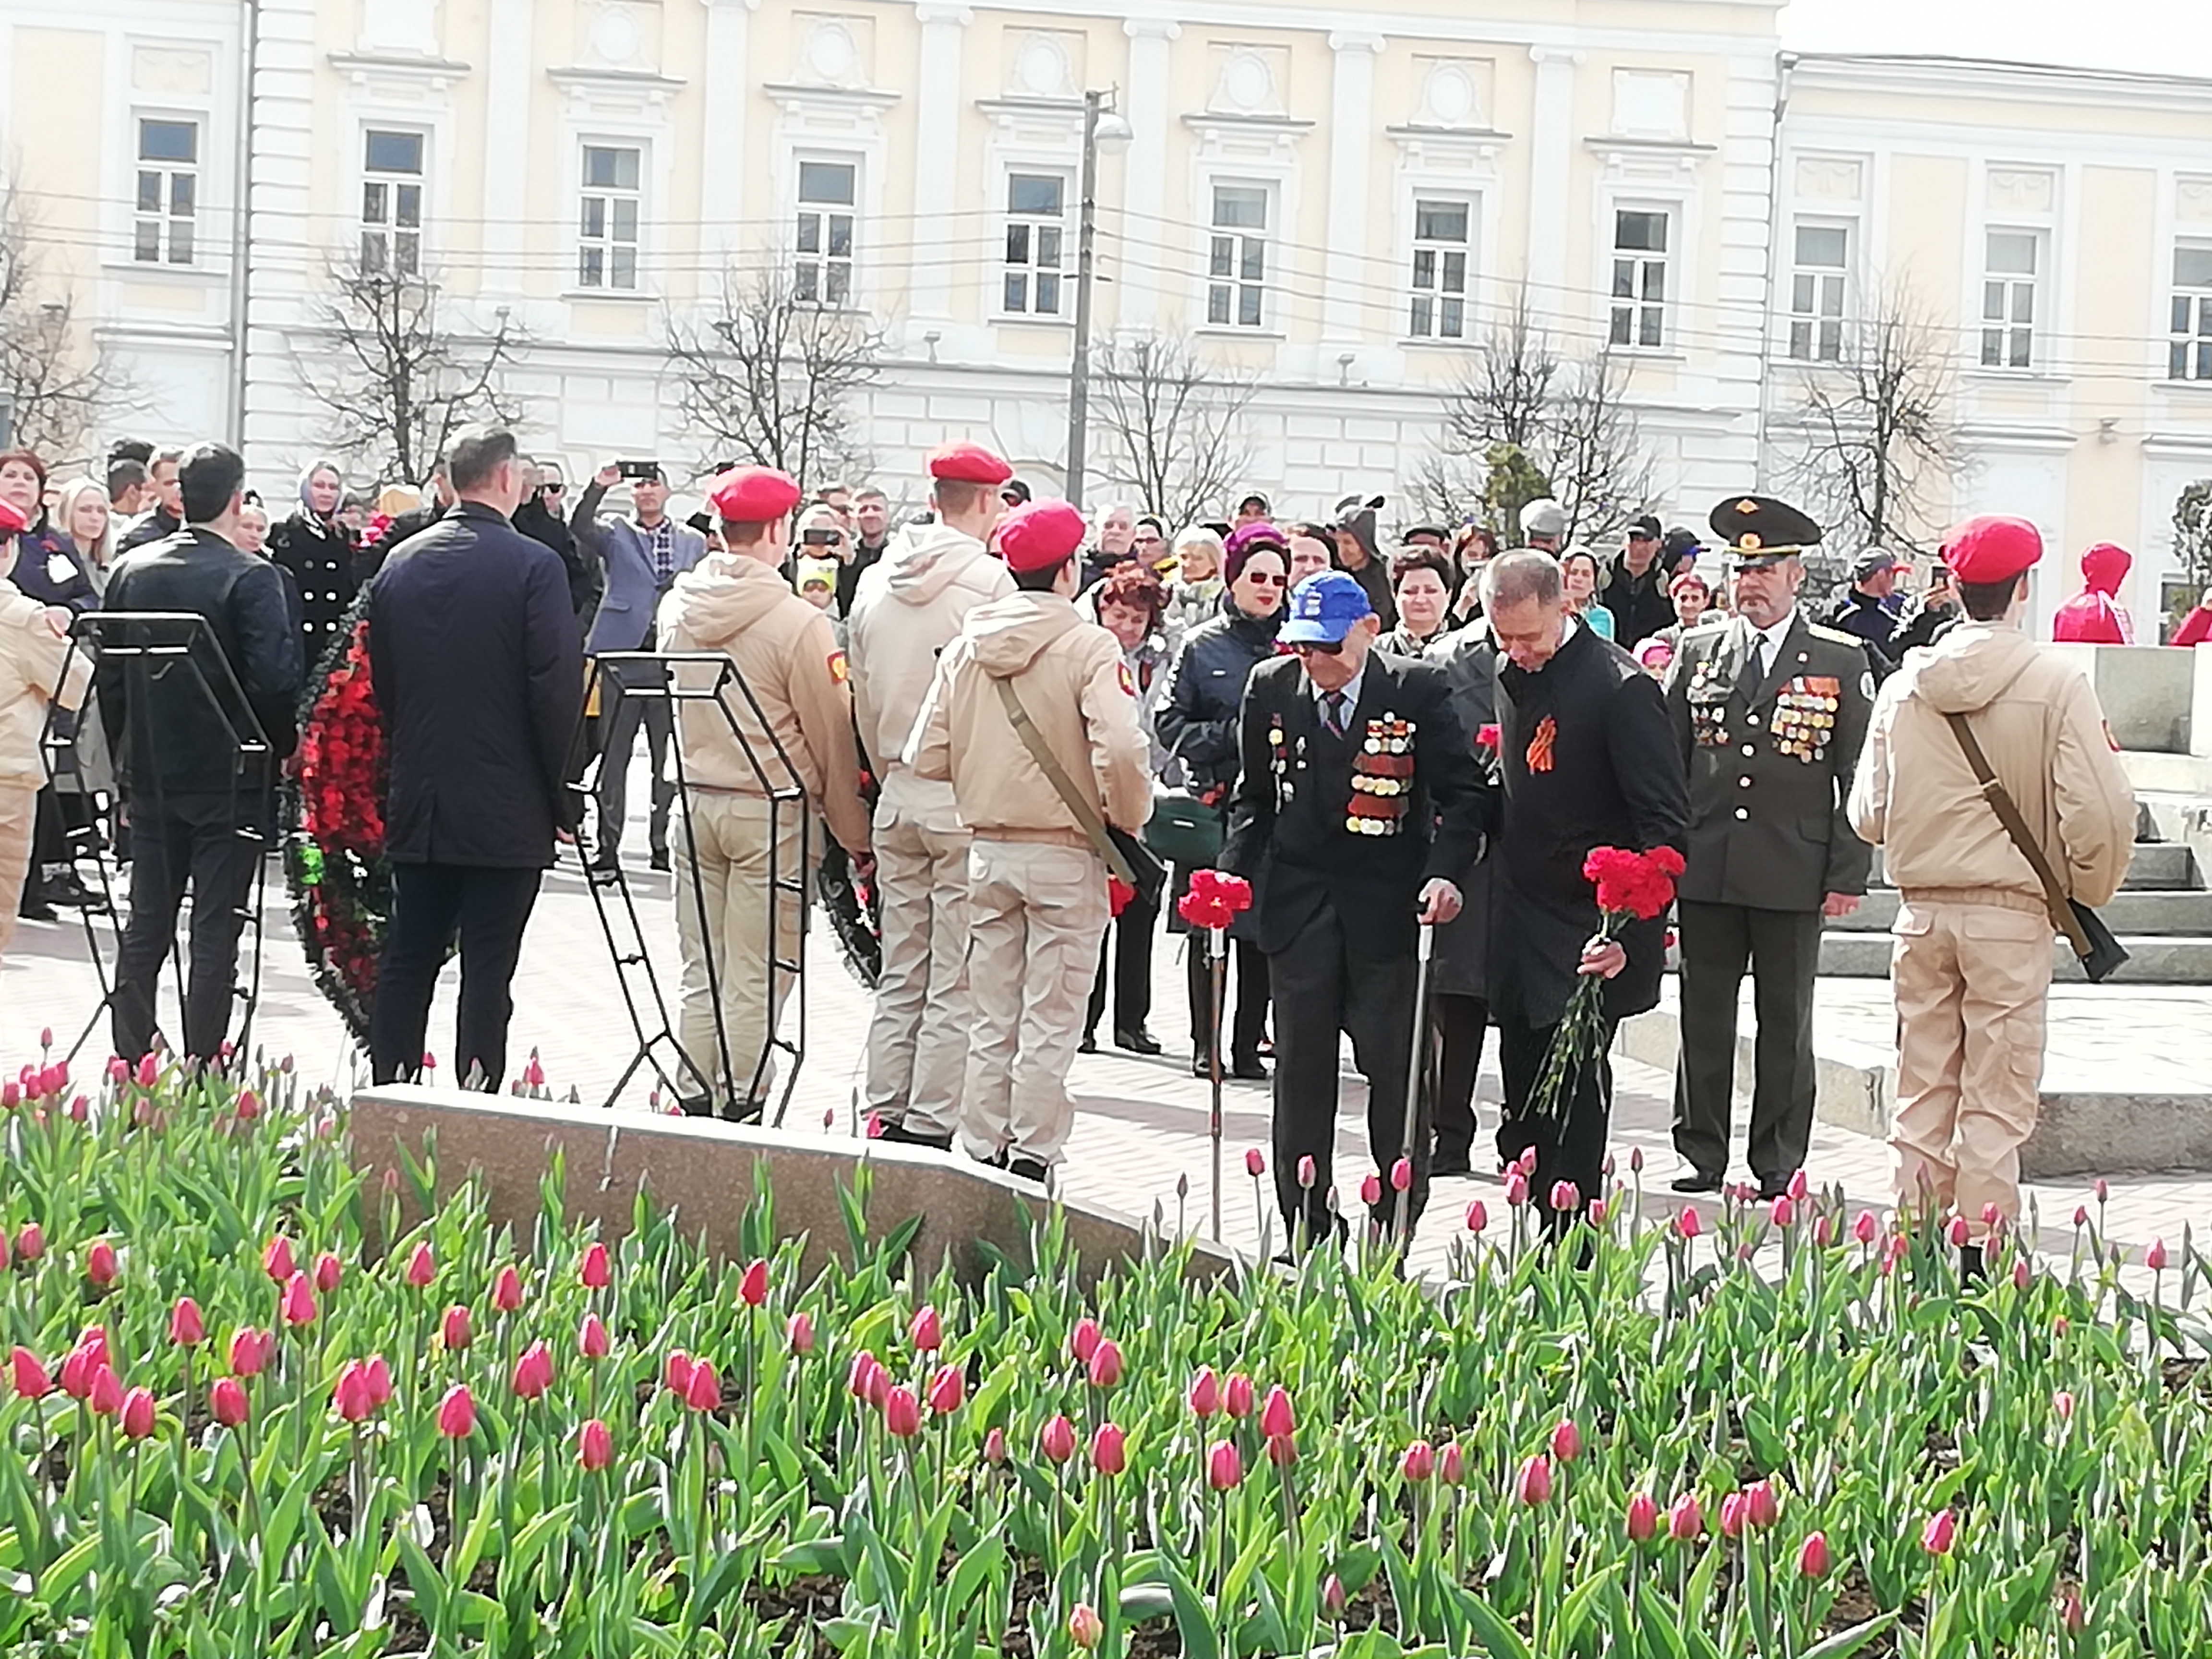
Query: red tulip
x=1567 y=1442
x=2072 y=1615
x=592 y=1340
x=31 y=1242
x=1598 y=1213
x=1642 y=1518
x=149 y=1071
x=99 y=1264
x=378 y=1375
x=1056 y=1440
x=30 y=1380
x=1402 y=1175
x=92 y=1338
x=276 y=1260
x=1205 y=1394
x=1533 y=1488
x=422 y=1266
x=1478 y=1216
x=704 y=1393
x=595 y=1446
x=994 y=1446
x=1813 y=1558
x=1225 y=1470
x=1255 y=1162
x=1957 y=1233
x=752 y=1289
x=533 y=1372
x=1105 y=1365
x=227 y=1401
x=1109 y=1450
x=1451 y=1464
x=1940 y=1534
x=2081 y=1216
x=594 y=1271
x=249 y=1351
x=77 y=1367
x=1865 y=1227
x=1282 y=1451
x=1761 y=1507
x=1686 y=1519
x=352 y=1397
x=459 y=1329
x=105 y=1392
x=1083 y=1341
x=948 y=1387
x=902 y=1412
x=506 y=1291
x=1307 y=1174
x=799 y=1334
x=926 y=1332
x=1084 y=1627
x=1686 y=1224
x=675 y=1374
x=1782 y=1211
x=186 y=1329
x=1517 y=1189
x=1732 y=1514
x=249 y=1106
x=2155 y=1257
x=1236 y=1398
x=1276 y=1417
x=298 y=1302
x=1332 y=1598
x=862 y=1381
x=457 y=1413
x=1371 y=1190
x=2022 y=1274
x=329 y=1270
x=1798 y=1186
x=1419 y=1463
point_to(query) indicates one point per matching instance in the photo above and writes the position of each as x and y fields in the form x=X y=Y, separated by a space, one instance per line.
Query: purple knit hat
x=1247 y=540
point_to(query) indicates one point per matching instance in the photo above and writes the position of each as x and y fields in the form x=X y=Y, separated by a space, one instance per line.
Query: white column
x=1350 y=188
x=507 y=158
x=1140 y=253
x=723 y=236
x=937 y=155
x=1551 y=146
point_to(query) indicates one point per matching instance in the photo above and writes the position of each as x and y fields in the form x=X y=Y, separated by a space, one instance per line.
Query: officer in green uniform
x=1770 y=711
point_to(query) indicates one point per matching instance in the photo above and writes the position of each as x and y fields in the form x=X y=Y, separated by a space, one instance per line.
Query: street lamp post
x=1101 y=127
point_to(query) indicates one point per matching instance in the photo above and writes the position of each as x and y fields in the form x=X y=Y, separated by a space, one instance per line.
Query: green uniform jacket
x=1771 y=765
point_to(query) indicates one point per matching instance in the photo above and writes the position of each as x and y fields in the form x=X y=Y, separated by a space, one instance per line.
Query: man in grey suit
x=642 y=555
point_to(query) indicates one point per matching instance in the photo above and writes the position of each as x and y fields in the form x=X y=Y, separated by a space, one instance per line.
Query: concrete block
x=2200 y=700
x=705 y=1171
x=2145 y=691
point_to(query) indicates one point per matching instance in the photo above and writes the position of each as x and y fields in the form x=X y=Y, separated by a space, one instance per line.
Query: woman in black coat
x=318 y=552
x=1197 y=725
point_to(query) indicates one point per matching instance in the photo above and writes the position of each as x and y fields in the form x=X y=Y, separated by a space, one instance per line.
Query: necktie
x=1758 y=659
x=1332 y=712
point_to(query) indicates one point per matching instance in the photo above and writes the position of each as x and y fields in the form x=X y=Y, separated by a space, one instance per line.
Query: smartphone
x=1939 y=575
x=638 y=469
x=820 y=537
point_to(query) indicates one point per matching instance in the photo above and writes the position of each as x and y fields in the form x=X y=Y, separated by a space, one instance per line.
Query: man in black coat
x=1358 y=811
x=1586 y=761
x=478 y=670
x=1768 y=713
x=196 y=772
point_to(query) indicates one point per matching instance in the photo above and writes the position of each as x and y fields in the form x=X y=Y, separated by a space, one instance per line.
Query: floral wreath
x=340 y=883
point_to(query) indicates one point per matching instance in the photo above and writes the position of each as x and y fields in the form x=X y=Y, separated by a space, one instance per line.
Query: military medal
x=1381 y=778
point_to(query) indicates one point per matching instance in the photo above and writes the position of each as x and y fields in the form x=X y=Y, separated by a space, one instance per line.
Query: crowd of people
x=1029 y=729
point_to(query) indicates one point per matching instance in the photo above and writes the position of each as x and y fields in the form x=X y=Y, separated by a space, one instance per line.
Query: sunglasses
x=1319 y=648
x=1264 y=579
x=551 y=488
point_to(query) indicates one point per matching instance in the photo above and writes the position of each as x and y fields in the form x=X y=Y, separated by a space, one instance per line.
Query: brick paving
x=1141 y=1126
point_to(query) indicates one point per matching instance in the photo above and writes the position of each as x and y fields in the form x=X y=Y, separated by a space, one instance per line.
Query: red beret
x=12 y=521
x=965 y=463
x=753 y=494
x=1040 y=536
x=1991 y=549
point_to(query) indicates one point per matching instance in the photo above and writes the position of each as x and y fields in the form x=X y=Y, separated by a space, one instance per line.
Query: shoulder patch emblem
x=1128 y=680
x=840 y=670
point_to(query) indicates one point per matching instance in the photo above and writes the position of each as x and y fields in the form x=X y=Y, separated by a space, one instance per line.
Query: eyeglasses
x=551 y=488
x=1319 y=648
x=1264 y=579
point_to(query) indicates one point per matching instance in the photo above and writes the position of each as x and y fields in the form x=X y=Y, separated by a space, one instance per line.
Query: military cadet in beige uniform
x=1037 y=886
x=34 y=647
x=1972 y=962
x=737 y=840
x=909 y=607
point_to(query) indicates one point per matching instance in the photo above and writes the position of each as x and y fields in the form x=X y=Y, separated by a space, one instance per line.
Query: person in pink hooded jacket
x=2094 y=616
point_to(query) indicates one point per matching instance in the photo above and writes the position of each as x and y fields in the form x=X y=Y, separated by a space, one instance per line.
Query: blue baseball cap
x=1323 y=608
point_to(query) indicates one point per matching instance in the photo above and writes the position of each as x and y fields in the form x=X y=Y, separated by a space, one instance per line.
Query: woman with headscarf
x=2095 y=615
x=315 y=547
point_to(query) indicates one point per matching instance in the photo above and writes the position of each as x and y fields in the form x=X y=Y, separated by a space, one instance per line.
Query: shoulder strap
x=2000 y=802
x=1085 y=809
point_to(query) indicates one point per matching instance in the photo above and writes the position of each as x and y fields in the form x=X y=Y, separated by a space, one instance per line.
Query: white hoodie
x=910 y=606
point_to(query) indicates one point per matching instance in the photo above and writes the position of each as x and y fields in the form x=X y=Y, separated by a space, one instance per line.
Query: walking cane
x=1219 y=974
x=1427 y=949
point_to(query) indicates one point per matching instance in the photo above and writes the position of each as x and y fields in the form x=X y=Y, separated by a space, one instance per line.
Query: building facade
x=1335 y=209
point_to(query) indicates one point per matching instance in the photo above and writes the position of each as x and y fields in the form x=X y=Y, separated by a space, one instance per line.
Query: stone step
x=2157 y=865
x=2153 y=959
x=2151 y=911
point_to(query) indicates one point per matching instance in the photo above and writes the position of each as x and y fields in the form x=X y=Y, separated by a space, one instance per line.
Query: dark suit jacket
x=1615 y=779
x=1769 y=765
x=1288 y=822
x=479 y=674
x=1468 y=661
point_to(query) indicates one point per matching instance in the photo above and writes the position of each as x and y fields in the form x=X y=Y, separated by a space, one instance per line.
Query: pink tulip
x=1110 y=1449
x=2103 y=1189
x=1282 y=1451
x=30 y=1380
x=1782 y=1211
x=1686 y=1225
x=1940 y=1534
x=1307 y=1173
x=1567 y=1197
x=1205 y=1394
x=1761 y=1507
x=676 y=1373
x=104 y=1392
x=994 y=1447
x=703 y=1390
x=351 y=1396
x=1105 y=1365
x=1402 y=1175
x=1823 y=1229
x=595 y=1446
x=799 y=1334
x=1083 y=1341
x=752 y=1289
x=1419 y=1463
x=1686 y=1519
x=2155 y=1257
x=2022 y=1274
x=249 y=1106
x=227 y=1401
x=1642 y=1519
x=30 y=1242
x=422 y=1266
x=93 y=1339
x=1332 y=1598
x=1255 y=1162
x=457 y=1413
x=592 y=1339
x=1084 y=1627
x=328 y=1271
x=377 y=1374
x=948 y=1387
x=926 y=1332
x=533 y=1372
x=506 y=1291
x=2081 y=1216
x=859 y=1381
x=1732 y=1514
x=594 y=1269
x=1567 y=1442
x=1813 y=1558
x=249 y=1351
x=149 y=1071
x=1533 y=1488
x=2062 y=1403
x=1798 y=1186
x=457 y=1330
x=298 y=1302
x=1236 y=1398
x=1225 y=1470
x=276 y=1260
x=1056 y=1440
x=1478 y=1217
x=2072 y=1615
x=1277 y=1417
x=1957 y=1233
x=1517 y=1188
x=902 y=1412
x=185 y=1328
x=1371 y=1190
x=1866 y=1227
x=1451 y=1464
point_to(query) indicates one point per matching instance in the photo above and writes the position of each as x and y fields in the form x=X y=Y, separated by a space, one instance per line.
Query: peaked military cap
x=1757 y=530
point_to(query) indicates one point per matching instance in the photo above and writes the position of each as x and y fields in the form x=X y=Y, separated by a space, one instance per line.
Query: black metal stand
x=172 y=659
x=695 y=679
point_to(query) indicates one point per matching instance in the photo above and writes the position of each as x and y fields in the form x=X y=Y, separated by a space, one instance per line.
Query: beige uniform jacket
x=1070 y=677
x=2038 y=722
x=32 y=651
x=789 y=657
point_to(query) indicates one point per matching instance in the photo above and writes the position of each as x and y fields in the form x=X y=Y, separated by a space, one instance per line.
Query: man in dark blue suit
x=479 y=674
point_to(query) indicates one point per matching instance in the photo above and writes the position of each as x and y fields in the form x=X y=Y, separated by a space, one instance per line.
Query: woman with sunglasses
x=1197 y=725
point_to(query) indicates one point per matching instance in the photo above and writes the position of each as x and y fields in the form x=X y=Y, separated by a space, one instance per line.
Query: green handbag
x=1184 y=831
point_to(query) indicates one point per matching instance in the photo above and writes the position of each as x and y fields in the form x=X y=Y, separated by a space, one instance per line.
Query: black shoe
x=899 y=1136
x=696 y=1106
x=1771 y=1190
x=659 y=859
x=1697 y=1181
x=1250 y=1067
x=605 y=863
x=1201 y=1063
x=1450 y=1161
x=1089 y=1045
x=1138 y=1041
x=1028 y=1169
x=65 y=888
x=33 y=906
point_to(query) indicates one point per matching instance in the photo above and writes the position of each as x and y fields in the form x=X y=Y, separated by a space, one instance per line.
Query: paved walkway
x=1142 y=1123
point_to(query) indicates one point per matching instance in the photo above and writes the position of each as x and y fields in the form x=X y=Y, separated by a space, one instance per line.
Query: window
x=606 y=244
x=392 y=203
x=2009 y=299
x=1439 y=304
x=1036 y=237
x=2189 y=351
x=169 y=192
x=1237 y=285
x=1639 y=279
x=827 y=190
x=1816 y=294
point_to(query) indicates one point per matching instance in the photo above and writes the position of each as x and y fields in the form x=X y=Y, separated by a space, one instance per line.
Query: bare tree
x=57 y=386
x=1523 y=421
x=772 y=377
x=1177 y=424
x=394 y=376
x=1873 y=430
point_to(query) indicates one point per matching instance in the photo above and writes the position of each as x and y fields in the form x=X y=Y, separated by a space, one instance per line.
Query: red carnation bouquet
x=1631 y=887
x=1215 y=899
